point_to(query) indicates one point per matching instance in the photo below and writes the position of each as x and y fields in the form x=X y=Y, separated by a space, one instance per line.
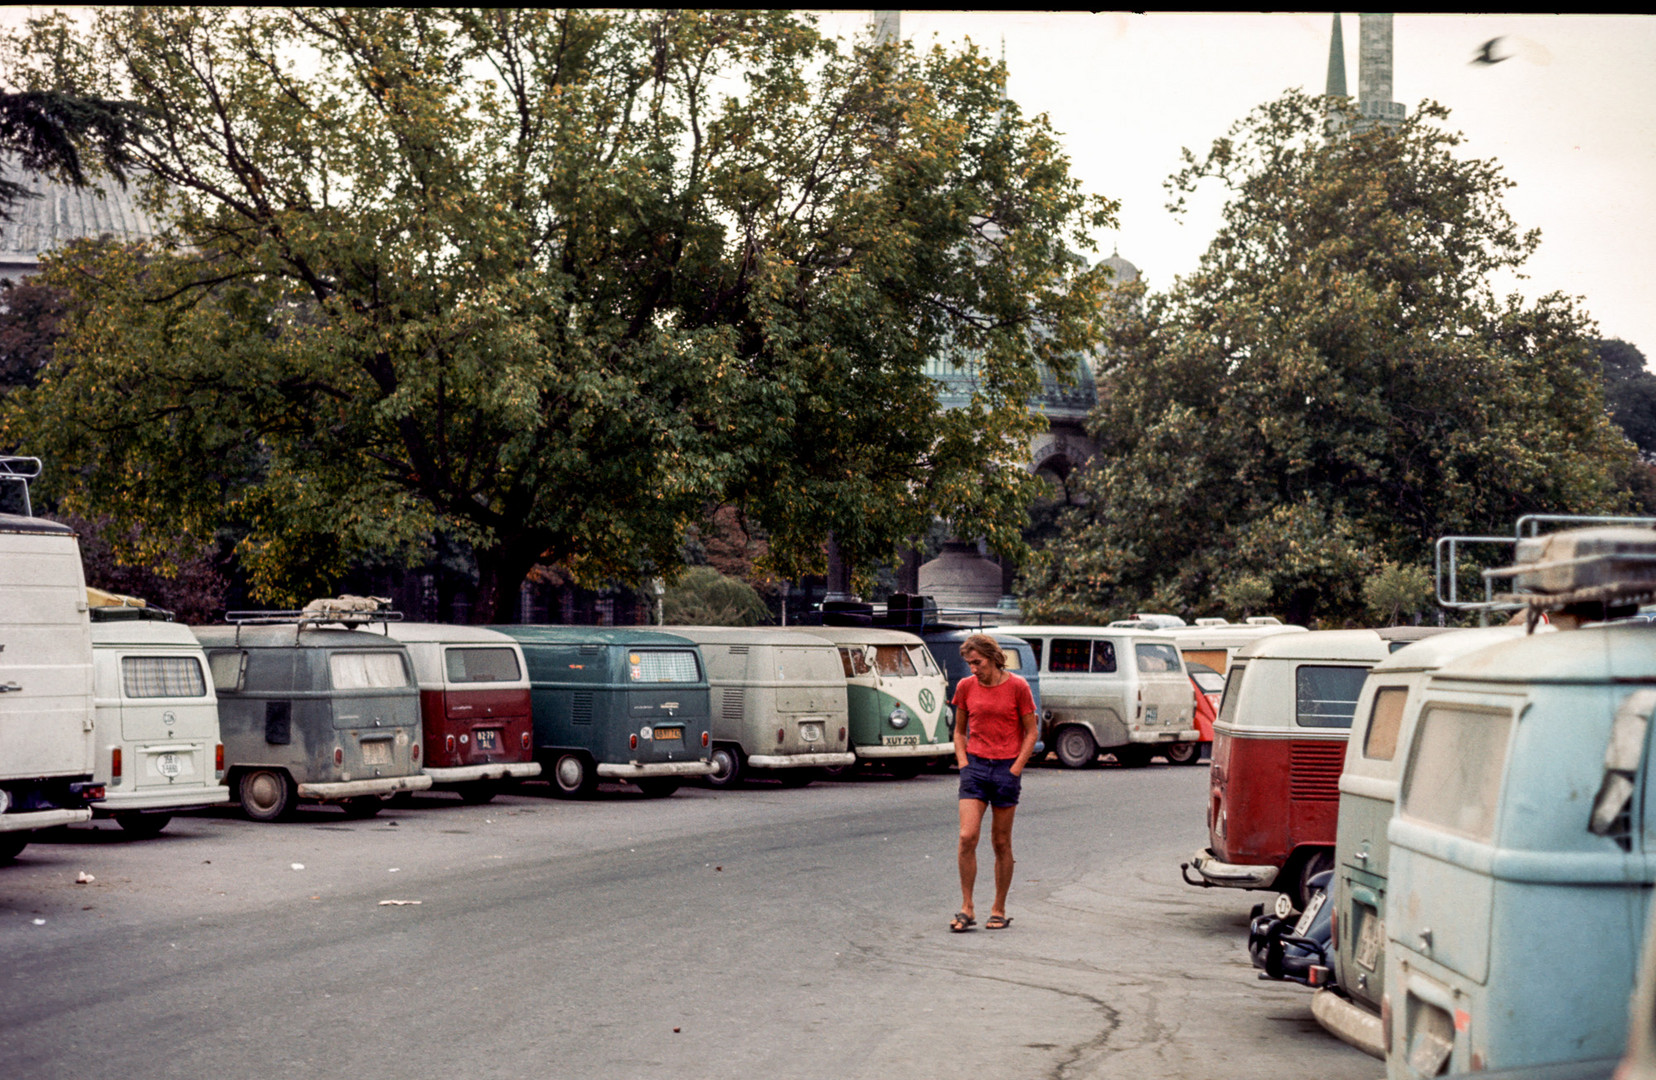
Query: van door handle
x=10 y=687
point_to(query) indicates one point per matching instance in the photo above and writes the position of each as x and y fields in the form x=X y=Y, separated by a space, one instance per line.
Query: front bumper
x=794 y=761
x=163 y=799
x=30 y=820
x=1188 y=735
x=876 y=750
x=495 y=770
x=350 y=789
x=635 y=771
x=1349 y=1022
x=1223 y=875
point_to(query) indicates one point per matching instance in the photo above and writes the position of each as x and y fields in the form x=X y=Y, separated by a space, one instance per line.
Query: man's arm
x=961 y=720
x=1030 y=729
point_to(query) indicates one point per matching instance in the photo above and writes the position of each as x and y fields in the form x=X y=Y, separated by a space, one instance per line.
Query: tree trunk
x=500 y=573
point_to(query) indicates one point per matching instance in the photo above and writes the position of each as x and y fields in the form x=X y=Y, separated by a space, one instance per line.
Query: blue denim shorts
x=990 y=780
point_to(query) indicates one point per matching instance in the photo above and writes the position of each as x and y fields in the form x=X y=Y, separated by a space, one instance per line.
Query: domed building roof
x=61 y=214
x=1122 y=272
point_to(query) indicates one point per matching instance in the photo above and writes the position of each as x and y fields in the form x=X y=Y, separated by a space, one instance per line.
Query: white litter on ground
x=399 y=903
x=83 y=878
x=298 y=866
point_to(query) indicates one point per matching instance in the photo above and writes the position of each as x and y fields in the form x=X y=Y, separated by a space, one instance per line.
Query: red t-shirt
x=994 y=727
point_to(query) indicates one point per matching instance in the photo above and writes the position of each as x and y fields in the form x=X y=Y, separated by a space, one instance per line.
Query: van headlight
x=899 y=717
x=5 y=800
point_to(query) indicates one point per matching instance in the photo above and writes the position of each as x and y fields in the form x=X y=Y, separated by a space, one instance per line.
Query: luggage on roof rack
x=341 y=610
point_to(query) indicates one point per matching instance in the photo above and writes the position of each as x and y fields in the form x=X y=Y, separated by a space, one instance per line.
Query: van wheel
x=657 y=789
x=1318 y=861
x=573 y=777
x=727 y=766
x=267 y=794
x=477 y=793
x=142 y=824
x=362 y=806
x=1076 y=748
x=11 y=846
x=1183 y=753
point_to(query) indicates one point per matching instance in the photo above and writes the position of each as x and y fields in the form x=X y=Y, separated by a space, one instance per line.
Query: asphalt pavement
x=763 y=933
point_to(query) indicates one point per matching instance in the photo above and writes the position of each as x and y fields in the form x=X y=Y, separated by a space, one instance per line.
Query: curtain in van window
x=162 y=677
x=1070 y=656
x=664 y=666
x=367 y=670
x=1156 y=659
x=1326 y=696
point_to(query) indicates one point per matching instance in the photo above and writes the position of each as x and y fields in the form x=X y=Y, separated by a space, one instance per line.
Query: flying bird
x=1486 y=53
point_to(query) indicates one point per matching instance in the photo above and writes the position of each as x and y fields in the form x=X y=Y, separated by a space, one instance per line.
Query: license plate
x=899 y=740
x=1370 y=937
x=810 y=732
x=376 y=753
x=1310 y=914
x=169 y=764
x=1150 y=714
x=487 y=739
x=669 y=734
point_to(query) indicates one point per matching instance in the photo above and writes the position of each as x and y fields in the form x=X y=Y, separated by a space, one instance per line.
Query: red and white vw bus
x=1279 y=745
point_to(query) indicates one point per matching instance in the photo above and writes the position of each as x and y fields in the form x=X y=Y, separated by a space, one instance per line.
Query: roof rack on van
x=1449 y=550
x=105 y=606
x=342 y=611
x=1608 y=571
x=19 y=471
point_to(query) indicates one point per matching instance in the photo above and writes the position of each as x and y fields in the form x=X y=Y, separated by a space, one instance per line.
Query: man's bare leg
x=1000 y=835
x=971 y=826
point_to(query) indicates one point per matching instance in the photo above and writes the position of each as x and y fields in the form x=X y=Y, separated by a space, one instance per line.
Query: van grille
x=1314 y=771
x=735 y=703
x=590 y=650
x=580 y=710
x=738 y=650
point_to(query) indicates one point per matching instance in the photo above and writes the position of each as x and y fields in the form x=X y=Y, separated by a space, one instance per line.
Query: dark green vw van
x=616 y=703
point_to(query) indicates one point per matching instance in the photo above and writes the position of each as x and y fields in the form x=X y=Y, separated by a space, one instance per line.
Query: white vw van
x=157 y=727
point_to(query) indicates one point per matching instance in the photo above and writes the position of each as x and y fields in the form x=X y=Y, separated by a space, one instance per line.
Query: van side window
x=1233 y=691
x=893 y=660
x=229 y=668
x=1103 y=657
x=1326 y=697
x=1035 y=647
x=1380 y=744
x=481 y=665
x=662 y=666
x=1156 y=659
x=367 y=670
x=1454 y=775
x=1071 y=655
x=162 y=677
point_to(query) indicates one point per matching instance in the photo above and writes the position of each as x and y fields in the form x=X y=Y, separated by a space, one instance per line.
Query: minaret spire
x=887 y=27
x=1336 y=61
x=1374 y=72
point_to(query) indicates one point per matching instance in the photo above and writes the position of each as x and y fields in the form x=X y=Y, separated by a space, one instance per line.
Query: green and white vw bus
x=894 y=695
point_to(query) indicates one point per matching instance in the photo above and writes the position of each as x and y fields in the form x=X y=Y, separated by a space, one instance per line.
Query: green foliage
x=1335 y=386
x=1629 y=392
x=1395 y=593
x=705 y=597
x=552 y=281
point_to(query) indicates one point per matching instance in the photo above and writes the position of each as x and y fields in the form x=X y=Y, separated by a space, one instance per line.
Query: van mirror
x=1611 y=815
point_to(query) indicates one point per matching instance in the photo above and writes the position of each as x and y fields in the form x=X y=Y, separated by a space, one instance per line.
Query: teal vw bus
x=894 y=691
x=616 y=703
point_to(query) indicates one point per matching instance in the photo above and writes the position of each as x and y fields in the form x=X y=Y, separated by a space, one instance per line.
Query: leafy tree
x=1333 y=387
x=1393 y=593
x=1629 y=391
x=31 y=317
x=705 y=597
x=551 y=282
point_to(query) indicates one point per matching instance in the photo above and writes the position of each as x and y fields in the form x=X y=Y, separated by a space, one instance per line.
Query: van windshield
x=893 y=660
x=663 y=666
x=1156 y=659
x=923 y=661
x=491 y=664
x=378 y=670
x=162 y=677
x=1326 y=697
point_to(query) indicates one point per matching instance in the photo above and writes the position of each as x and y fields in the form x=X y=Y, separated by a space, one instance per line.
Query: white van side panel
x=46 y=654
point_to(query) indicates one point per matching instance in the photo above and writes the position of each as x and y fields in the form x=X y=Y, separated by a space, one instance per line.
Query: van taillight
x=339 y=756
x=524 y=738
x=115 y=765
x=632 y=742
x=218 y=760
x=704 y=738
x=414 y=752
x=448 y=743
x=1334 y=931
x=780 y=735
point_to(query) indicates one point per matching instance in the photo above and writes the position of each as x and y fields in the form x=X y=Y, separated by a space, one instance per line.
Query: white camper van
x=158 y=748
x=45 y=670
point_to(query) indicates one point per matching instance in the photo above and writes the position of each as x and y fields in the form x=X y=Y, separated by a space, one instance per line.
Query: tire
x=142 y=825
x=1133 y=755
x=728 y=766
x=362 y=806
x=1183 y=753
x=1075 y=748
x=477 y=793
x=841 y=772
x=1319 y=860
x=11 y=846
x=904 y=768
x=573 y=776
x=797 y=778
x=267 y=794
x=657 y=788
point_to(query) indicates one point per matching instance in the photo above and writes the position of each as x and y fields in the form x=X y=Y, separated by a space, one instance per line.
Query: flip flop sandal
x=961 y=923
x=998 y=922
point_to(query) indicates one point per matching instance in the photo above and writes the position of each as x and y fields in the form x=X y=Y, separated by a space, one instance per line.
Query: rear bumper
x=875 y=750
x=1188 y=735
x=1223 y=875
x=635 y=771
x=794 y=761
x=350 y=789
x=41 y=819
x=163 y=799
x=1349 y=1022
x=496 y=770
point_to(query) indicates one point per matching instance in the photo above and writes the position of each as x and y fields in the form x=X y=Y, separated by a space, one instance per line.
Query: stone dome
x=61 y=214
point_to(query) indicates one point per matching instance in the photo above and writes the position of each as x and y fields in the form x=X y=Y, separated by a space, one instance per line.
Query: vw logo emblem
x=927 y=700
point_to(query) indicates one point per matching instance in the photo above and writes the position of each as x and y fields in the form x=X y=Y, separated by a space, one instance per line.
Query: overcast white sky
x=1571 y=117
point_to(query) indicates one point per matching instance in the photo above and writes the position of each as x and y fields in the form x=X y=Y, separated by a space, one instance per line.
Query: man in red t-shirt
x=994 y=735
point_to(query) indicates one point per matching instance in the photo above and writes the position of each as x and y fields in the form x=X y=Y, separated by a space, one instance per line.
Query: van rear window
x=162 y=677
x=377 y=670
x=1326 y=697
x=1156 y=659
x=663 y=666
x=1454 y=776
x=490 y=664
x=1380 y=743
